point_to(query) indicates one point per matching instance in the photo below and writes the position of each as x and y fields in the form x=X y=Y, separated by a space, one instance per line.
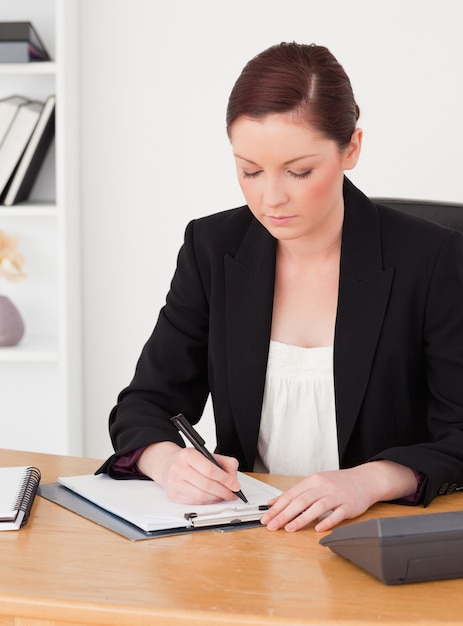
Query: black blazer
x=398 y=349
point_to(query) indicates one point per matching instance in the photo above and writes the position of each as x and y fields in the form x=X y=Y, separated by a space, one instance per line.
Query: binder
x=16 y=140
x=8 y=109
x=18 y=487
x=20 y=43
x=22 y=180
x=140 y=509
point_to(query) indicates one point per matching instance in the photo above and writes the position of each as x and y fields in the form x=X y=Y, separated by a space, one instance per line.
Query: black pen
x=184 y=426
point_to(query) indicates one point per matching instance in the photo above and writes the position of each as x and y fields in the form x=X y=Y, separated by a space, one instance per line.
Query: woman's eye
x=301 y=175
x=298 y=175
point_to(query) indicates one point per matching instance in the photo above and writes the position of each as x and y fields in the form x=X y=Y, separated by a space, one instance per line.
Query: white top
x=298 y=434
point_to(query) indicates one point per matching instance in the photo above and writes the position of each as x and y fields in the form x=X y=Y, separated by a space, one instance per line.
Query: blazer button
x=452 y=487
x=443 y=489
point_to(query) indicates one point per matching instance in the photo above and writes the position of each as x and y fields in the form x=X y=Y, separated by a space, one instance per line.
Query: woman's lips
x=280 y=220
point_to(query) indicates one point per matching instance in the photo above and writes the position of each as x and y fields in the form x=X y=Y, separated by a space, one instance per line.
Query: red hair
x=302 y=79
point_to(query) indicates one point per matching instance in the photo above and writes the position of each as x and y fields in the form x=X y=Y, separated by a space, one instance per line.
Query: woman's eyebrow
x=299 y=158
x=244 y=159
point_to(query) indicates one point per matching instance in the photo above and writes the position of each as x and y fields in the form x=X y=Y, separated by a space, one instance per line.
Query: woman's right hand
x=187 y=476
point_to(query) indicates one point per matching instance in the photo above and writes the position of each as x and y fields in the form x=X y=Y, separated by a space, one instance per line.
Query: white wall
x=155 y=80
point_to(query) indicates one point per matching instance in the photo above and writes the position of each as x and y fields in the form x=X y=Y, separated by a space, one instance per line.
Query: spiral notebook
x=18 y=486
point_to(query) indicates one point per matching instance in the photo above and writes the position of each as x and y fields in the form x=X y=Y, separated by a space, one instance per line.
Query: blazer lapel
x=364 y=289
x=249 y=285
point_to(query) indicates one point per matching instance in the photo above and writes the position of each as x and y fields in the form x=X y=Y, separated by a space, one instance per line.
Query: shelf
x=29 y=209
x=40 y=378
x=28 y=69
x=31 y=350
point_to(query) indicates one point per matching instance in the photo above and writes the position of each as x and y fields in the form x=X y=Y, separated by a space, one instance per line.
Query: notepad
x=18 y=486
x=145 y=504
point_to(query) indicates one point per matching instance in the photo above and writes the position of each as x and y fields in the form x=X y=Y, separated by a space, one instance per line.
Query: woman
x=328 y=330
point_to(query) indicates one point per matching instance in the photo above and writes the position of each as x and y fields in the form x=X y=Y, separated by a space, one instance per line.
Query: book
x=16 y=140
x=139 y=509
x=22 y=180
x=8 y=109
x=20 y=43
x=18 y=487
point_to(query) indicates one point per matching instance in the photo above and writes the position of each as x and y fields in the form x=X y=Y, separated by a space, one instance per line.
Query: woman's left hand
x=338 y=495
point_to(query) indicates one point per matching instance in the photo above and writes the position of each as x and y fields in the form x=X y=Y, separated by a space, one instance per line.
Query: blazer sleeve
x=441 y=457
x=171 y=373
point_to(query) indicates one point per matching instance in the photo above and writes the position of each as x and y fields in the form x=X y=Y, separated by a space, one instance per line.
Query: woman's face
x=290 y=175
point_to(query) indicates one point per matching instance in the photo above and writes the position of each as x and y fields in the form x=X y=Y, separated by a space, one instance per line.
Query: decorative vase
x=11 y=323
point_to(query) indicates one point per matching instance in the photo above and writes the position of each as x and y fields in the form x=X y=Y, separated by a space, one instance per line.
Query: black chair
x=448 y=214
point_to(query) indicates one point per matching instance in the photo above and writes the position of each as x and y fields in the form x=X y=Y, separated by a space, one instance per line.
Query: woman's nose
x=274 y=193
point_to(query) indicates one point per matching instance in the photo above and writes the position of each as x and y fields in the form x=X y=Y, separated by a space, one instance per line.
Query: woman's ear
x=352 y=152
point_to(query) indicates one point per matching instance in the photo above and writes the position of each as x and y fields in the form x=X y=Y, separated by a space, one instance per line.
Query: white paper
x=146 y=504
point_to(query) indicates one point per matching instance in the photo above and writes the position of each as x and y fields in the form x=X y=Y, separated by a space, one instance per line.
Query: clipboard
x=110 y=510
x=227 y=516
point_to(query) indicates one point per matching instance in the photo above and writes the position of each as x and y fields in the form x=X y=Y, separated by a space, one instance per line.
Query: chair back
x=448 y=214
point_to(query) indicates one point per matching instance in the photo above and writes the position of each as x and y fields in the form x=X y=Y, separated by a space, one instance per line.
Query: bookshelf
x=40 y=378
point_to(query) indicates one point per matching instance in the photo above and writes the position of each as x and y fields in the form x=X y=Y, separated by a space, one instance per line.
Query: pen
x=184 y=426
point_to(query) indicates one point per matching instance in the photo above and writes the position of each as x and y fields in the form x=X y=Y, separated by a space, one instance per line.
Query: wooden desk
x=64 y=569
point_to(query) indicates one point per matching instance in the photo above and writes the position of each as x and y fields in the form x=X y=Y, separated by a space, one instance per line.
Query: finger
x=226 y=474
x=230 y=466
x=301 y=512
x=331 y=520
x=201 y=478
x=189 y=493
x=280 y=504
x=317 y=511
x=282 y=513
x=197 y=489
x=292 y=518
x=228 y=463
x=328 y=516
